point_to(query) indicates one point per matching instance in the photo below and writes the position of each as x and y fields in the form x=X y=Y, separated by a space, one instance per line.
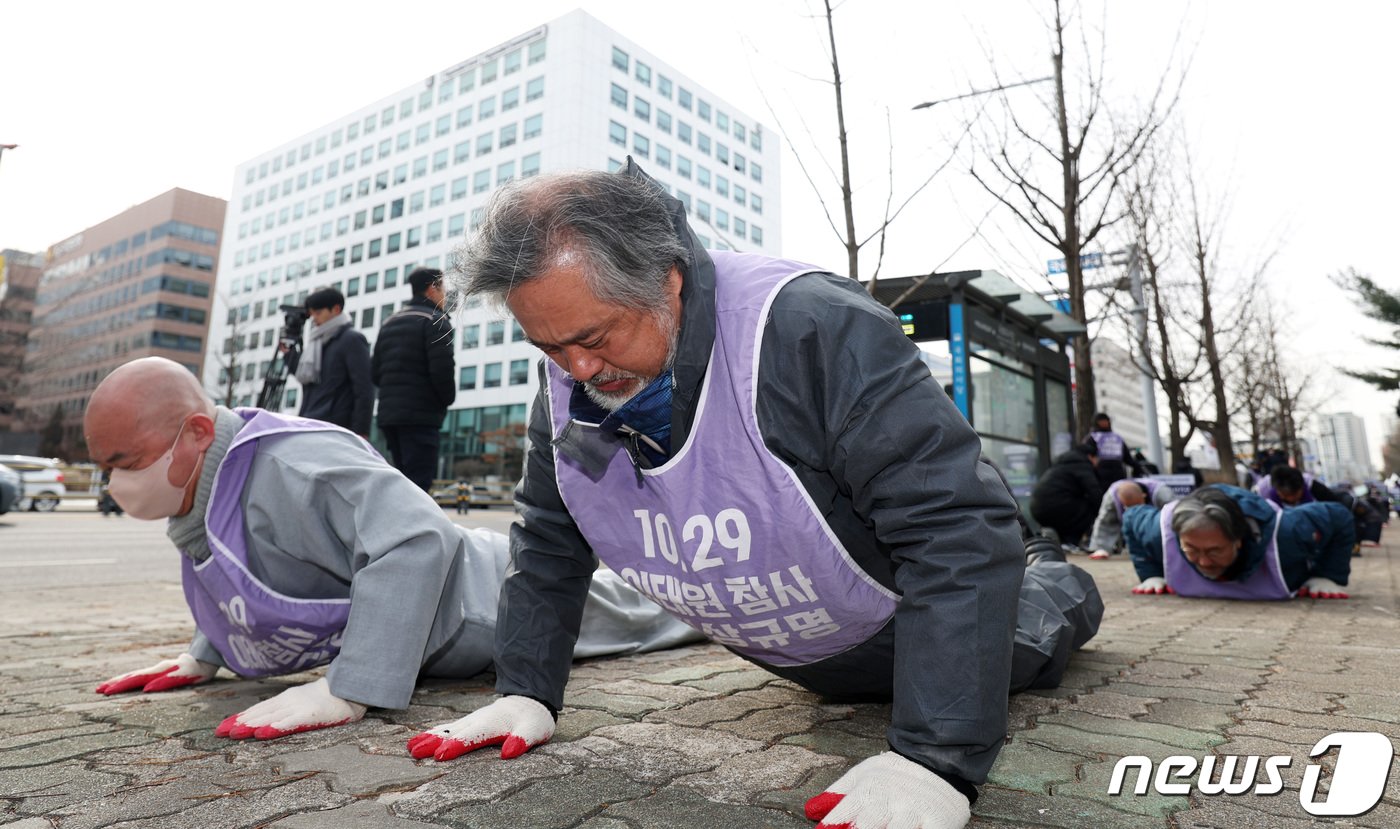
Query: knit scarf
x=187 y=531
x=309 y=368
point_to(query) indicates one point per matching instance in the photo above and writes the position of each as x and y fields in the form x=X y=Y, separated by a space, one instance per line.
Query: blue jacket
x=1314 y=539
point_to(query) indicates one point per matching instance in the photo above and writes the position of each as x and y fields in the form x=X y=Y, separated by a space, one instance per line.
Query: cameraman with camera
x=333 y=365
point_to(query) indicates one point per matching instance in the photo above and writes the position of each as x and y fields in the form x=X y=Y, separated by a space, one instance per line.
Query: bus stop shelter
x=1008 y=372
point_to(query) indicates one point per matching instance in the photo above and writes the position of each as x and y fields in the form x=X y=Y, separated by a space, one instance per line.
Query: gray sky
x=1285 y=109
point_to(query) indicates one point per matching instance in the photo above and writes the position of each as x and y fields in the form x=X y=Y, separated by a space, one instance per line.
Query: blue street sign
x=1087 y=262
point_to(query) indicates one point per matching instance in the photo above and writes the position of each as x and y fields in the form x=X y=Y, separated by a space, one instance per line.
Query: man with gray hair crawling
x=755 y=444
x=302 y=548
x=1225 y=542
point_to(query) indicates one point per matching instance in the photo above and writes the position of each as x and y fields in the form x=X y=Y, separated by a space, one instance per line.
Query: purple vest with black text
x=1266 y=582
x=1146 y=483
x=258 y=631
x=1265 y=488
x=723 y=535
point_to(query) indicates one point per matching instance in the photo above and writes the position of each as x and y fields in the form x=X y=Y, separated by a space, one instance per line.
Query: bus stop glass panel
x=1003 y=401
x=1057 y=415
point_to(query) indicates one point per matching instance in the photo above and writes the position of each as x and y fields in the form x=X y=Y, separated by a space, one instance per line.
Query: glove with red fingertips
x=1318 y=587
x=517 y=724
x=300 y=708
x=1153 y=586
x=164 y=675
x=889 y=792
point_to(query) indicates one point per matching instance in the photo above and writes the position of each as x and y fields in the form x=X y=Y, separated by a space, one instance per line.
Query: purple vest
x=1265 y=488
x=258 y=631
x=723 y=536
x=1266 y=582
x=1110 y=445
x=1146 y=483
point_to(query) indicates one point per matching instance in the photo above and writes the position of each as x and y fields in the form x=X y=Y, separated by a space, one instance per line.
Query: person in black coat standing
x=1066 y=498
x=332 y=365
x=414 y=369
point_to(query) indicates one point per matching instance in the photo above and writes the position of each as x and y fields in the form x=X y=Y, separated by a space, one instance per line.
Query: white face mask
x=147 y=493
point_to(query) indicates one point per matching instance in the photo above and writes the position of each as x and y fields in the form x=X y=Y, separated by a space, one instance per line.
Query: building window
x=466 y=378
x=641 y=108
x=420 y=166
x=535 y=52
x=739 y=193
x=481 y=182
x=495 y=332
x=682 y=166
x=756 y=234
x=619 y=96
x=459 y=188
x=507 y=135
x=394 y=241
x=756 y=203
x=512 y=62
x=415 y=236
x=617 y=133
x=702 y=110
x=534 y=89
x=619 y=59
x=722 y=185
x=434 y=231
x=372 y=279
x=740 y=227
x=702 y=143
x=663 y=120
x=377 y=215
x=510 y=99
x=488 y=71
x=517 y=334
x=505 y=172
x=483 y=143
x=683 y=97
x=467 y=80
x=641 y=145
x=721 y=121
x=530 y=165
x=375 y=247
x=357 y=252
x=702 y=176
x=440 y=160
x=471 y=336
x=663 y=156
x=478 y=218
x=367 y=318
x=533 y=125
x=683 y=132
x=756 y=171
x=391 y=275
x=462 y=151
x=396 y=208
x=464 y=116
x=437 y=194
x=492 y=380
x=486 y=108
x=415 y=202
x=519 y=372
x=663 y=86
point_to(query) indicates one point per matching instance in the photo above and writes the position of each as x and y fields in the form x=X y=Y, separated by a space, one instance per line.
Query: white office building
x=359 y=202
x=1118 y=389
x=1343 y=450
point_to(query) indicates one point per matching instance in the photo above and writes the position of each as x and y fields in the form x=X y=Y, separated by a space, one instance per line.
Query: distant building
x=136 y=285
x=1118 y=388
x=19 y=281
x=1344 y=454
x=360 y=201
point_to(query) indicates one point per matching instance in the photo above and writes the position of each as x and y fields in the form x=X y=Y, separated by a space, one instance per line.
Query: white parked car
x=43 y=481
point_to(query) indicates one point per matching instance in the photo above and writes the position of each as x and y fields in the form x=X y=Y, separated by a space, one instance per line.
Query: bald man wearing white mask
x=301 y=547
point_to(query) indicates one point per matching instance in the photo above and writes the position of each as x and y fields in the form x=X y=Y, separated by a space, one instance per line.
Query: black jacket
x=414 y=366
x=344 y=395
x=1068 y=483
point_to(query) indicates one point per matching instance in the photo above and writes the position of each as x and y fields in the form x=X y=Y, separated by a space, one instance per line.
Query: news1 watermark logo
x=1357 y=783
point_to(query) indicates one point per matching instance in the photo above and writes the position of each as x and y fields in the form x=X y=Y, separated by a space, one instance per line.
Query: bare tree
x=853 y=240
x=1090 y=155
x=233 y=380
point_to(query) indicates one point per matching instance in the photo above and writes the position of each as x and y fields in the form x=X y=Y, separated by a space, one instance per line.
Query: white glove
x=1318 y=587
x=1153 y=585
x=889 y=792
x=162 y=676
x=517 y=724
x=299 y=708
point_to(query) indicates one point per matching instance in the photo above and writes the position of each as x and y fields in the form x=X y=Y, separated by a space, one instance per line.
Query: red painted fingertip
x=226 y=726
x=818 y=807
x=423 y=745
x=165 y=683
x=513 y=747
x=450 y=750
x=1168 y=589
x=241 y=731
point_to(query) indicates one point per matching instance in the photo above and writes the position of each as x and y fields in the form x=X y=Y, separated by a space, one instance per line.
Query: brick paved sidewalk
x=693 y=737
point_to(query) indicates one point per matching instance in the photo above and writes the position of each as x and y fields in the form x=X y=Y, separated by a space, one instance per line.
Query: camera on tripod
x=294 y=319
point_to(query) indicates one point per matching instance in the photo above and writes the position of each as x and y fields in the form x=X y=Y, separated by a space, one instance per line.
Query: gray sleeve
x=1163 y=496
x=845 y=394
x=1108 y=528
x=329 y=520
x=542 y=600
x=201 y=649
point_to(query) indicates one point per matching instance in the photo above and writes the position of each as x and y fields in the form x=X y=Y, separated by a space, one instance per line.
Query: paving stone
x=1111 y=704
x=770 y=725
x=1030 y=767
x=359 y=814
x=1177 y=692
x=671 y=808
x=1172 y=735
x=553 y=804
x=1026 y=809
x=475 y=778
x=42 y=789
x=746 y=778
x=236 y=810
x=1203 y=715
x=1370 y=707
x=52 y=751
x=706 y=712
x=351 y=771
